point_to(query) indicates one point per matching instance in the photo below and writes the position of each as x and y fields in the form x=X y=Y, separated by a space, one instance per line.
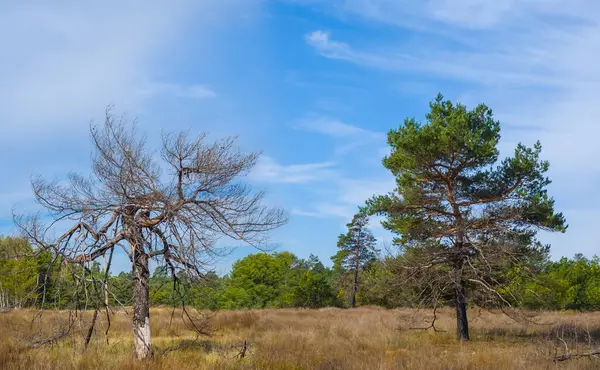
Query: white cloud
x=333 y=127
x=470 y=13
x=9 y=199
x=192 y=91
x=349 y=195
x=62 y=64
x=324 y=209
x=349 y=137
x=541 y=76
x=435 y=16
x=344 y=212
x=333 y=105
x=534 y=62
x=344 y=195
x=495 y=68
x=69 y=61
x=321 y=41
x=267 y=170
x=357 y=191
x=580 y=236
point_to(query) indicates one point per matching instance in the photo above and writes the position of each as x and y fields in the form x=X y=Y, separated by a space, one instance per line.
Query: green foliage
x=263 y=277
x=257 y=281
x=18 y=273
x=282 y=280
x=121 y=287
x=377 y=285
x=564 y=284
x=464 y=219
x=356 y=249
x=448 y=165
x=277 y=280
x=314 y=288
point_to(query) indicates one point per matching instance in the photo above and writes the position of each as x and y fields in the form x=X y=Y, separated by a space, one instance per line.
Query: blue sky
x=313 y=84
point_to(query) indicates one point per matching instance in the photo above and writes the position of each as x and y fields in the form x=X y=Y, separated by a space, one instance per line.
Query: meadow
x=329 y=338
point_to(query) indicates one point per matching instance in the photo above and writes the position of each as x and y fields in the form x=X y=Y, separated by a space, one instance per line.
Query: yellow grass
x=364 y=338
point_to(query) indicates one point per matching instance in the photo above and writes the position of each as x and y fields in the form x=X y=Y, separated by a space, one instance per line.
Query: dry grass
x=364 y=338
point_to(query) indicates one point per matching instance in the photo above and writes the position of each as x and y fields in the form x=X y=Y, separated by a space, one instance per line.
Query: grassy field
x=364 y=338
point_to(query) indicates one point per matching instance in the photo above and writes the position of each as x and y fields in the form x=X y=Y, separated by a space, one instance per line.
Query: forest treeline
x=273 y=280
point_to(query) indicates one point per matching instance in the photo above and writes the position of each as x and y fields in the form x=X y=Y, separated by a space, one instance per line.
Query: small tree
x=462 y=218
x=356 y=249
x=18 y=273
x=313 y=284
x=171 y=208
x=262 y=276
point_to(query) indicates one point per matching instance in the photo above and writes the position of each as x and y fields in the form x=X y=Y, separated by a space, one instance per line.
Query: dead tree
x=170 y=206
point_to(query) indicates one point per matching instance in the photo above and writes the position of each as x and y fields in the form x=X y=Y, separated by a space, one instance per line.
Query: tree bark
x=462 y=323
x=356 y=267
x=141 y=304
x=354 y=287
x=105 y=283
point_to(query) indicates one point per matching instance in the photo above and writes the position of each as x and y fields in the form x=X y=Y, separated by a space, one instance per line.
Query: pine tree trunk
x=462 y=324
x=141 y=304
x=354 y=287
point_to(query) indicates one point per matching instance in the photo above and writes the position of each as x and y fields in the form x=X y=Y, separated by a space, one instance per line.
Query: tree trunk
x=354 y=287
x=462 y=324
x=105 y=283
x=141 y=304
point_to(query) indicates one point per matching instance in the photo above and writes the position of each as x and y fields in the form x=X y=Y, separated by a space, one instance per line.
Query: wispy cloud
x=494 y=68
x=69 y=61
x=470 y=13
x=9 y=199
x=533 y=61
x=332 y=127
x=357 y=191
x=63 y=63
x=542 y=76
x=348 y=136
x=349 y=195
x=321 y=82
x=324 y=210
x=437 y=16
x=267 y=170
x=333 y=105
x=344 y=194
x=191 y=91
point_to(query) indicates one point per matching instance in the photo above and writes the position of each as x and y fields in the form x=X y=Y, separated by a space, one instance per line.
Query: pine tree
x=463 y=217
x=356 y=249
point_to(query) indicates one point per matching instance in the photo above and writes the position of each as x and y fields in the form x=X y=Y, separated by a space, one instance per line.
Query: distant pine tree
x=356 y=249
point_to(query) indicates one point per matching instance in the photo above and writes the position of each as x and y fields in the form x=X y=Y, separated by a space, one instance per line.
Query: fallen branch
x=432 y=324
x=49 y=341
x=571 y=356
x=243 y=350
